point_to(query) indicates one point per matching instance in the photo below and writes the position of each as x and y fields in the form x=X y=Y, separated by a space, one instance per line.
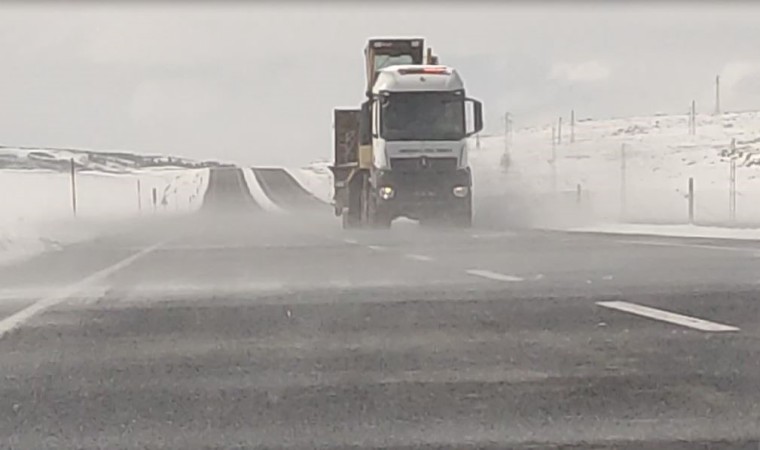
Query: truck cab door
x=378 y=143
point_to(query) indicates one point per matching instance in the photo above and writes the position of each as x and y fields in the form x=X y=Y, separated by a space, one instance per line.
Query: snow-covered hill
x=36 y=210
x=57 y=159
x=646 y=182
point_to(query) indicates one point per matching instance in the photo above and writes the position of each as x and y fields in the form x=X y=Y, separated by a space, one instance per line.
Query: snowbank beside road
x=692 y=231
x=317 y=179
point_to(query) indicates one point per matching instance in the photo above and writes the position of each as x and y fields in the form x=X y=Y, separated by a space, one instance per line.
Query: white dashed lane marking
x=376 y=248
x=419 y=257
x=667 y=316
x=494 y=275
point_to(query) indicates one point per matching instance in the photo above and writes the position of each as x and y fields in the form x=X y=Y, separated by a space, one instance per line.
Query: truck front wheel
x=462 y=220
x=379 y=217
x=463 y=217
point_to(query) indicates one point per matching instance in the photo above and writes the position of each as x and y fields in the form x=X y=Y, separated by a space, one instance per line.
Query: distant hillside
x=659 y=158
x=27 y=158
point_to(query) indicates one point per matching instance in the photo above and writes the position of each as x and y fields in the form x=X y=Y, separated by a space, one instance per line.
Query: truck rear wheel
x=348 y=221
x=352 y=215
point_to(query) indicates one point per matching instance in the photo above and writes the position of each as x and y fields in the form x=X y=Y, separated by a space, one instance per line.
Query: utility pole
x=505 y=158
x=554 y=159
x=572 y=126
x=717 y=95
x=693 y=118
x=507 y=132
x=559 y=131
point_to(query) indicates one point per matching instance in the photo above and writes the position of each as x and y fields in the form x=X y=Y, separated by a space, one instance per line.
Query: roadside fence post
x=139 y=198
x=623 y=184
x=691 y=200
x=73 y=188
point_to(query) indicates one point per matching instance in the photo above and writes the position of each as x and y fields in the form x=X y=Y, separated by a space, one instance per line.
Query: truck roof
x=409 y=78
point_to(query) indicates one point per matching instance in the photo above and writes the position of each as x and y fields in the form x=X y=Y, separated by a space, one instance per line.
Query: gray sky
x=256 y=83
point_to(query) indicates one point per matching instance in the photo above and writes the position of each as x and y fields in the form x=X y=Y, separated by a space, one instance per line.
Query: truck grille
x=423 y=163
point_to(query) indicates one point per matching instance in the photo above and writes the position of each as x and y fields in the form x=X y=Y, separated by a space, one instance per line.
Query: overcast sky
x=256 y=83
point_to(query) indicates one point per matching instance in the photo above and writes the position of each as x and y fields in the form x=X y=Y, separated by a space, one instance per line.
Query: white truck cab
x=416 y=116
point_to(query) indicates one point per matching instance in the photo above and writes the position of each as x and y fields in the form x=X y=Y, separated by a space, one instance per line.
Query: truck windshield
x=423 y=116
x=383 y=61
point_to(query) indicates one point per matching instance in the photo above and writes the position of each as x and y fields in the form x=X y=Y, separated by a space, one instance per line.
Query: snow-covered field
x=584 y=187
x=58 y=159
x=36 y=211
x=647 y=182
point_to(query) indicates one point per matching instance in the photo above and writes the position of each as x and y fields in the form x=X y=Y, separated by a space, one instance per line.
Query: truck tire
x=352 y=215
x=463 y=217
x=348 y=222
x=378 y=218
x=462 y=220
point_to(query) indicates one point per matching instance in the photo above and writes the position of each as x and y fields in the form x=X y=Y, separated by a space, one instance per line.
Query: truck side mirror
x=477 y=117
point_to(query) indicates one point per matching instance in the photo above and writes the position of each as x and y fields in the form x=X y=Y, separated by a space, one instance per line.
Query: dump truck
x=403 y=153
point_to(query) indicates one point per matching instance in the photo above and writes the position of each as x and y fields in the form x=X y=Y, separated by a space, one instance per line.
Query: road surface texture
x=227 y=191
x=248 y=330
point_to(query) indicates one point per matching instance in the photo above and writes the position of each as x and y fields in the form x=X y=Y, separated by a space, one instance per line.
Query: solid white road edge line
x=493 y=275
x=684 y=245
x=493 y=235
x=15 y=320
x=418 y=257
x=666 y=316
x=258 y=194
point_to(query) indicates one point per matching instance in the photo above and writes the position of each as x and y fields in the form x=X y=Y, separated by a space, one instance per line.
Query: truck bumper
x=424 y=194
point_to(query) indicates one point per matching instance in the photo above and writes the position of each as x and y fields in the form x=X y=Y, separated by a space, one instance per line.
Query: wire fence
x=726 y=195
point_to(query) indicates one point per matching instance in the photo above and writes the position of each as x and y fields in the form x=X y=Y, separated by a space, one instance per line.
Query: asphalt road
x=241 y=330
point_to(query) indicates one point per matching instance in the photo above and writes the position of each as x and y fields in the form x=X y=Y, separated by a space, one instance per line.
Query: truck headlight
x=461 y=191
x=386 y=192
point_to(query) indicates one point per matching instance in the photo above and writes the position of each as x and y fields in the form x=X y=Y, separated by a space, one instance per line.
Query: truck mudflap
x=426 y=195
